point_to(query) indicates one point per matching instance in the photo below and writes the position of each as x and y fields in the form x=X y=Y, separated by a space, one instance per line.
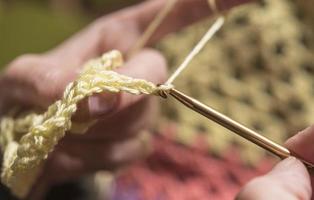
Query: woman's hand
x=289 y=179
x=124 y=120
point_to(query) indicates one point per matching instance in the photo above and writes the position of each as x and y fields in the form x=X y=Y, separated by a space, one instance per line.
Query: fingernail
x=101 y=104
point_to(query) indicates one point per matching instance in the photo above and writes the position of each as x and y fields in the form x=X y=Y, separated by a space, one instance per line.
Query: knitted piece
x=258 y=70
x=27 y=141
x=175 y=172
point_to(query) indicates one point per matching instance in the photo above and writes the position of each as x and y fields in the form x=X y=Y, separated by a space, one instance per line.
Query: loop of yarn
x=163 y=90
x=27 y=141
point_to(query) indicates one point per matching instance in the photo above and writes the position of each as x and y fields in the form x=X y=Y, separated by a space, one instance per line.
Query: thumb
x=287 y=180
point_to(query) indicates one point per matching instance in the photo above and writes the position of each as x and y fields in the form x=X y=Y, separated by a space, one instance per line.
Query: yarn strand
x=196 y=50
x=28 y=140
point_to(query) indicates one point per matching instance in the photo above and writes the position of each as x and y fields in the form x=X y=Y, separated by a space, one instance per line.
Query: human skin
x=289 y=179
x=120 y=136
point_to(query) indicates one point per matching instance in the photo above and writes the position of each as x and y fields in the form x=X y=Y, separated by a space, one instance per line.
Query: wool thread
x=27 y=141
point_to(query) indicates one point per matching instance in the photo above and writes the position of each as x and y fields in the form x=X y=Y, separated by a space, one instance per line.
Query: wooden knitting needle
x=233 y=126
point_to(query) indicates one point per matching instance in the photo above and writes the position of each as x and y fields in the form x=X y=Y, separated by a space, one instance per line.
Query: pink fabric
x=177 y=172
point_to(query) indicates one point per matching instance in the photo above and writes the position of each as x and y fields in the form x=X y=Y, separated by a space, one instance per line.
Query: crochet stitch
x=28 y=140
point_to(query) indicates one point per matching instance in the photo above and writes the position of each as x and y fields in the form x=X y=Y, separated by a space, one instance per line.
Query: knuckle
x=46 y=83
x=22 y=63
x=51 y=82
x=37 y=74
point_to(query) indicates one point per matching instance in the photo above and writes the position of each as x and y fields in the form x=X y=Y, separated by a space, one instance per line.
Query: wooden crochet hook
x=234 y=126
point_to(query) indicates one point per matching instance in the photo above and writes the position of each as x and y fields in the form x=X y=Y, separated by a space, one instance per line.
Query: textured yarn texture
x=27 y=141
x=258 y=70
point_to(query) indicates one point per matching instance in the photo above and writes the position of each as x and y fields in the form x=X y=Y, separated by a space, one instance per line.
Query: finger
x=73 y=159
x=288 y=180
x=149 y=65
x=33 y=80
x=136 y=117
x=38 y=85
x=185 y=12
x=122 y=29
x=302 y=144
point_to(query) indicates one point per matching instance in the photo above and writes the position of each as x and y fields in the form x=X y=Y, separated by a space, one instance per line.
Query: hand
x=289 y=179
x=38 y=80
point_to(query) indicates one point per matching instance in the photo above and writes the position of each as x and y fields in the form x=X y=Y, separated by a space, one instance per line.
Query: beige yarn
x=27 y=141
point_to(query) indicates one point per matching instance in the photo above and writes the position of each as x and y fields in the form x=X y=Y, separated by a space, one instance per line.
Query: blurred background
x=259 y=70
x=33 y=26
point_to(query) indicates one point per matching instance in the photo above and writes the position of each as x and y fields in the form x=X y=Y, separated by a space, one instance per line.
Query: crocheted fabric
x=258 y=70
x=27 y=140
x=176 y=172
